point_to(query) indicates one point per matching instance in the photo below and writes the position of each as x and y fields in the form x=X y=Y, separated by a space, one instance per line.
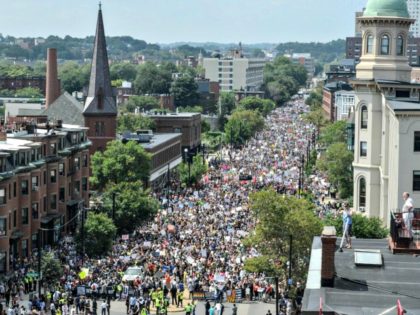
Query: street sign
x=290 y=282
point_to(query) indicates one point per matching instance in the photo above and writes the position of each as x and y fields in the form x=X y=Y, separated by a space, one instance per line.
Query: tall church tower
x=381 y=86
x=100 y=111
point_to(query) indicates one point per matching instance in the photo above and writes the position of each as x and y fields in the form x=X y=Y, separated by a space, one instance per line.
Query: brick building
x=328 y=98
x=17 y=83
x=44 y=171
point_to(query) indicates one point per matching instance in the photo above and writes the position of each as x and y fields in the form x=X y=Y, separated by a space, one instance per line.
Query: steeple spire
x=100 y=99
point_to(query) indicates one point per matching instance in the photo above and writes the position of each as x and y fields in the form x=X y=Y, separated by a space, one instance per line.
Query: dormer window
x=400 y=46
x=385 y=45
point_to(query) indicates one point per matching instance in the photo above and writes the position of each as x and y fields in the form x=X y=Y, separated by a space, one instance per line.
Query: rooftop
x=156 y=139
x=388 y=8
x=367 y=290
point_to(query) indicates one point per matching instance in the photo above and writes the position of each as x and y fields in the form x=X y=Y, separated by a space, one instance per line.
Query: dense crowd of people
x=194 y=244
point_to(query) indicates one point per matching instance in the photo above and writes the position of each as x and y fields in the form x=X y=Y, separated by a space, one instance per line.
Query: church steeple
x=100 y=99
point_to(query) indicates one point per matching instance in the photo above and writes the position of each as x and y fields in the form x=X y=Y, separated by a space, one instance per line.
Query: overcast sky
x=167 y=21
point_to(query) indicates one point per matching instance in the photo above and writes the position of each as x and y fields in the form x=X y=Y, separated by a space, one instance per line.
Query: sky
x=168 y=21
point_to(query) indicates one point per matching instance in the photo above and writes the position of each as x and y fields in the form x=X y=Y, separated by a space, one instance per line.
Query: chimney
x=328 y=240
x=53 y=85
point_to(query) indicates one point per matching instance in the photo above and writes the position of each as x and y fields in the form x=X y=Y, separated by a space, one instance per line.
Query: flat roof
x=171 y=115
x=158 y=139
x=403 y=106
x=364 y=289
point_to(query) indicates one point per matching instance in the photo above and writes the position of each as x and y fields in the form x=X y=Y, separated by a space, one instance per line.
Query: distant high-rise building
x=414 y=11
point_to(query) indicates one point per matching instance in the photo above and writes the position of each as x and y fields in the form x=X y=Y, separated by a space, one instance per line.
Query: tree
x=337 y=163
x=73 y=76
x=190 y=109
x=362 y=226
x=143 y=103
x=51 y=268
x=99 y=233
x=263 y=106
x=278 y=218
x=317 y=118
x=132 y=122
x=151 y=79
x=184 y=90
x=242 y=125
x=120 y=162
x=314 y=99
x=133 y=205
x=198 y=169
x=123 y=71
x=227 y=102
x=333 y=133
x=29 y=92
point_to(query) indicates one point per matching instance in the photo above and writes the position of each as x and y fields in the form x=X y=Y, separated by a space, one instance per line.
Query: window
x=45 y=177
x=3 y=226
x=400 y=46
x=53 y=148
x=416 y=181
x=3 y=260
x=34 y=183
x=85 y=160
x=84 y=184
x=61 y=170
x=362 y=193
x=385 y=45
x=45 y=203
x=363 y=148
x=416 y=142
x=3 y=196
x=14 y=218
x=62 y=194
x=77 y=163
x=33 y=155
x=53 y=202
x=24 y=248
x=53 y=176
x=77 y=187
x=24 y=187
x=25 y=216
x=35 y=210
x=14 y=189
x=364 y=118
x=99 y=128
x=402 y=93
x=369 y=44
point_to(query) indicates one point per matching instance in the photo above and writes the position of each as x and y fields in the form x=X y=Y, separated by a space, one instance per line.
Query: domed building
x=387 y=113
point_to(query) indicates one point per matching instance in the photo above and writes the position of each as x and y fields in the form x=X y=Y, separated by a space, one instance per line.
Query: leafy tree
x=197 y=170
x=99 y=234
x=362 y=227
x=314 y=99
x=184 y=90
x=51 y=268
x=263 y=106
x=133 y=205
x=333 y=133
x=317 y=118
x=73 y=76
x=278 y=218
x=29 y=92
x=227 y=105
x=190 y=109
x=242 y=125
x=337 y=163
x=267 y=264
x=123 y=71
x=144 y=103
x=120 y=162
x=151 y=79
x=132 y=122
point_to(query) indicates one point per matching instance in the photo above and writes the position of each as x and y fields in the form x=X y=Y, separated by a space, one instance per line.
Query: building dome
x=395 y=8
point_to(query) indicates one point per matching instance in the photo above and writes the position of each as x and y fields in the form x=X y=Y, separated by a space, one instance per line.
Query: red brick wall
x=99 y=142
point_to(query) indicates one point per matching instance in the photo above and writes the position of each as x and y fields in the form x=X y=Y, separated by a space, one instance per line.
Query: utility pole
x=39 y=260
x=290 y=262
x=277 y=294
x=83 y=236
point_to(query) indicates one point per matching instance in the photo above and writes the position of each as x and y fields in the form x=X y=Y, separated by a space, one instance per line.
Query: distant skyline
x=168 y=21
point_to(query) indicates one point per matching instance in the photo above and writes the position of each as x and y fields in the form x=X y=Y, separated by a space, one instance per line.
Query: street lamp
x=203 y=149
x=188 y=158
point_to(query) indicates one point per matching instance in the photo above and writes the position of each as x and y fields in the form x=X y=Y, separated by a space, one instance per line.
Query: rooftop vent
x=368 y=257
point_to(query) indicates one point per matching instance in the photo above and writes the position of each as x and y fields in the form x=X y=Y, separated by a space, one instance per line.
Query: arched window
x=400 y=45
x=362 y=193
x=385 y=45
x=369 y=44
x=363 y=117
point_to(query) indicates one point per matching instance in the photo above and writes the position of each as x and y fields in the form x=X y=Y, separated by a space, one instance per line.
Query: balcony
x=403 y=240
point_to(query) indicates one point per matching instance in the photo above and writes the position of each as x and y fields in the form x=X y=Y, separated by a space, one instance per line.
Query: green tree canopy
x=154 y=79
x=133 y=122
x=123 y=71
x=143 y=102
x=278 y=218
x=184 y=90
x=264 y=106
x=99 y=234
x=190 y=109
x=317 y=118
x=120 y=162
x=198 y=169
x=242 y=125
x=73 y=76
x=133 y=205
x=334 y=133
x=337 y=163
x=51 y=268
x=29 y=92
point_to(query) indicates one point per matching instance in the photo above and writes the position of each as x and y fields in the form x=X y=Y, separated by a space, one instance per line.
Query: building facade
x=344 y=104
x=387 y=113
x=44 y=182
x=235 y=73
x=414 y=10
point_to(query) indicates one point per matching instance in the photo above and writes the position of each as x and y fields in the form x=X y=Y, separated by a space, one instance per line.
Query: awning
x=49 y=217
x=16 y=235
